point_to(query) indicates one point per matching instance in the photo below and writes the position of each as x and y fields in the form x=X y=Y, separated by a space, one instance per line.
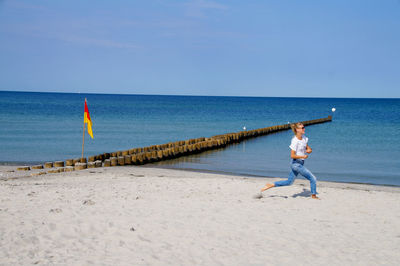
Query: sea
x=360 y=145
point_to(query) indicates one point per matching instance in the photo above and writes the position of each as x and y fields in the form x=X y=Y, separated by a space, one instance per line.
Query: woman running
x=299 y=150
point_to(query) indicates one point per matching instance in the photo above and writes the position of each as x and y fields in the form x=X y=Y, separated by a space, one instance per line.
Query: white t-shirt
x=299 y=145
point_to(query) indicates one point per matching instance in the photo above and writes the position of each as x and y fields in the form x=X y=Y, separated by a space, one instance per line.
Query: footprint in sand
x=137 y=175
x=258 y=196
x=88 y=202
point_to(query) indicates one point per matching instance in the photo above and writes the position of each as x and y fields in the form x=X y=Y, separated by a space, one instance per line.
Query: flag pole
x=83 y=134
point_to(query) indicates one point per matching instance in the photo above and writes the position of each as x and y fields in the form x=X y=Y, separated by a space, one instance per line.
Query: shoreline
x=258 y=176
x=6 y=174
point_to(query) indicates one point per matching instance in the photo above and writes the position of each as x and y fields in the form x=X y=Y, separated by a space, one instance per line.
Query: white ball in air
x=333 y=109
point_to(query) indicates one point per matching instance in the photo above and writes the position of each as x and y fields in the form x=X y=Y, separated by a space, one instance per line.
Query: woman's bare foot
x=267 y=186
x=313 y=196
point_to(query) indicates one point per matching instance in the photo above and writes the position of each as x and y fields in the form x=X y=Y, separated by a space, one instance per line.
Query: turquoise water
x=360 y=145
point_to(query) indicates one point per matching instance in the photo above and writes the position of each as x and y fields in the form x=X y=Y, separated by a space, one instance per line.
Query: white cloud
x=38 y=31
x=22 y=5
x=198 y=8
x=94 y=41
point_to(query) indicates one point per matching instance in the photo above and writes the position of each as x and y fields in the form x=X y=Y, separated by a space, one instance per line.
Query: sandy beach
x=150 y=216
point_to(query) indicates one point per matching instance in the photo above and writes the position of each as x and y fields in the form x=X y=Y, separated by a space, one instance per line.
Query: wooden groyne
x=162 y=152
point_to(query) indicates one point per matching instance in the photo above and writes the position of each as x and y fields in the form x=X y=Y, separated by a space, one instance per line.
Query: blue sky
x=198 y=47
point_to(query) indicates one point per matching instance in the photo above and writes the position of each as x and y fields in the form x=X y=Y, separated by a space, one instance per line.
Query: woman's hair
x=294 y=126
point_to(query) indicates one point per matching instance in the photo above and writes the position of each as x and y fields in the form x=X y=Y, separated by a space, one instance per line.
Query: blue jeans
x=298 y=168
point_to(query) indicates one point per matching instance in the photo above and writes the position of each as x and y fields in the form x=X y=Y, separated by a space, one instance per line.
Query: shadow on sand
x=277 y=196
x=305 y=193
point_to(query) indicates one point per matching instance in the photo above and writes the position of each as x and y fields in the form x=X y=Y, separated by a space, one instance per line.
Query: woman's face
x=300 y=129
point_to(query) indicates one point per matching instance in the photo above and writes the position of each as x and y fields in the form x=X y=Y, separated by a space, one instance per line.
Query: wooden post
x=83 y=135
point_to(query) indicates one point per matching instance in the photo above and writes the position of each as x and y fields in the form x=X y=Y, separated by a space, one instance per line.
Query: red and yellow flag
x=87 y=120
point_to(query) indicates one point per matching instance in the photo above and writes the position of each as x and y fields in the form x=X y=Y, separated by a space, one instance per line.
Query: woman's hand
x=305 y=156
x=308 y=149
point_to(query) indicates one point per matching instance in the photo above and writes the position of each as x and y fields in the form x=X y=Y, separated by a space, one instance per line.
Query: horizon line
x=196 y=95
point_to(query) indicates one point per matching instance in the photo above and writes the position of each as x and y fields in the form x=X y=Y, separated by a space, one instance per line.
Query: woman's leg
x=313 y=180
x=287 y=182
